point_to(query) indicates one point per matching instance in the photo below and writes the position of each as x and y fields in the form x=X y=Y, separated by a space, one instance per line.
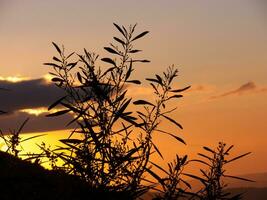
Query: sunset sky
x=219 y=47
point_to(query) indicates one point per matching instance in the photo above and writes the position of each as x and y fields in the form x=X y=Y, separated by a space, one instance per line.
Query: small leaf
x=145 y=61
x=70 y=55
x=173 y=121
x=119 y=40
x=56 y=103
x=134 y=51
x=71 y=65
x=79 y=77
x=238 y=157
x=129 y=71
x=108 y=60
x=72 y=141
x=226 y=152
x=143 y=102
x=159 y=79
x=119 y=28
x=56 y=79
x=181 y=90
x=56 y=59
x=110 y=50
x=61 y=112
x=123 y=107
x=153 y=80
x=154 y=175
x=22 y=126
x=176 y=137
x=119 y=98
x=134 y=81
x=32 y=137
x=140 y=35
x=58 y=49
x=175 y=96
x=200 y=154
x=240 y=178
x=196 y=177
x=157 y=150
x=208 y=149
x=159 y=167
x=53 y=64
x=130 y=120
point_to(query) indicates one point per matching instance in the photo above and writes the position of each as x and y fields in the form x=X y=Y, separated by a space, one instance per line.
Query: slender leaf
x=57 y=48
x=238 y=157
x=109 y=60
x=173 y=121
x=239 y=178
x=56 y=103
x=119 y=29
x=143 y=102
x=61 y=112
x=176 y=137
x=134 y=81
x=72 y=141
x=36 y=136
x=135 y=51
x=208 y=149
x=140 y=35
x=181 y=90
x=157 y=150
x=119 y=40
x=110 y=50
x=154 y=175
x=57 y=79
x=53 y=64
x=56 y=59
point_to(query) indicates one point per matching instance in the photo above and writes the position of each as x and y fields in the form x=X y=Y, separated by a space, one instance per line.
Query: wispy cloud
x=201 y=88
x=247 y=88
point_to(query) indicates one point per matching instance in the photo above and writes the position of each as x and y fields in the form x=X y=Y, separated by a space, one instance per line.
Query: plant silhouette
x=110 y=149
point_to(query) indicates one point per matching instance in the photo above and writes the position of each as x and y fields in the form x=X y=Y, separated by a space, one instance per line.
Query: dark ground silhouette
x=24 y=180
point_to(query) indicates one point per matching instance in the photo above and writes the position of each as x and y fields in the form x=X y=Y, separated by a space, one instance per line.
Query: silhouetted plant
x=173 y=185
x=212 y=178
x=111 y=147
x=13 y=140
x=108 y=154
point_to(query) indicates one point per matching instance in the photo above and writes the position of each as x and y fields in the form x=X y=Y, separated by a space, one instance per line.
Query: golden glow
x=48 y=78
x=38 y=111
x=3 y=146
x=13 y=79
x=35 y=112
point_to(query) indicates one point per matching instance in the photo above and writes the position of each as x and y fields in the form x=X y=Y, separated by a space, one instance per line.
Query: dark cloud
x=40 y=123
x=245 y=88
x=27 y=94
x=30 y=94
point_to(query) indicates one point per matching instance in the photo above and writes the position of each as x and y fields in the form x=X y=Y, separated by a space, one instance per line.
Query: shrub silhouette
x=110 y=149
x=109 y=154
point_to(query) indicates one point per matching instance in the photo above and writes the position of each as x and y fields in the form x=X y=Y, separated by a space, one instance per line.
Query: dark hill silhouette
x=24 y=180
x=259 y=178
x=250 y=193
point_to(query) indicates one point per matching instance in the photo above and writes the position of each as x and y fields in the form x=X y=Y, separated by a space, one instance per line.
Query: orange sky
x=219 y=47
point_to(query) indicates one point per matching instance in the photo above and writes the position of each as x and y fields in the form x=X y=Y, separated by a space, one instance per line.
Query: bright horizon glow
x=14 y=79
